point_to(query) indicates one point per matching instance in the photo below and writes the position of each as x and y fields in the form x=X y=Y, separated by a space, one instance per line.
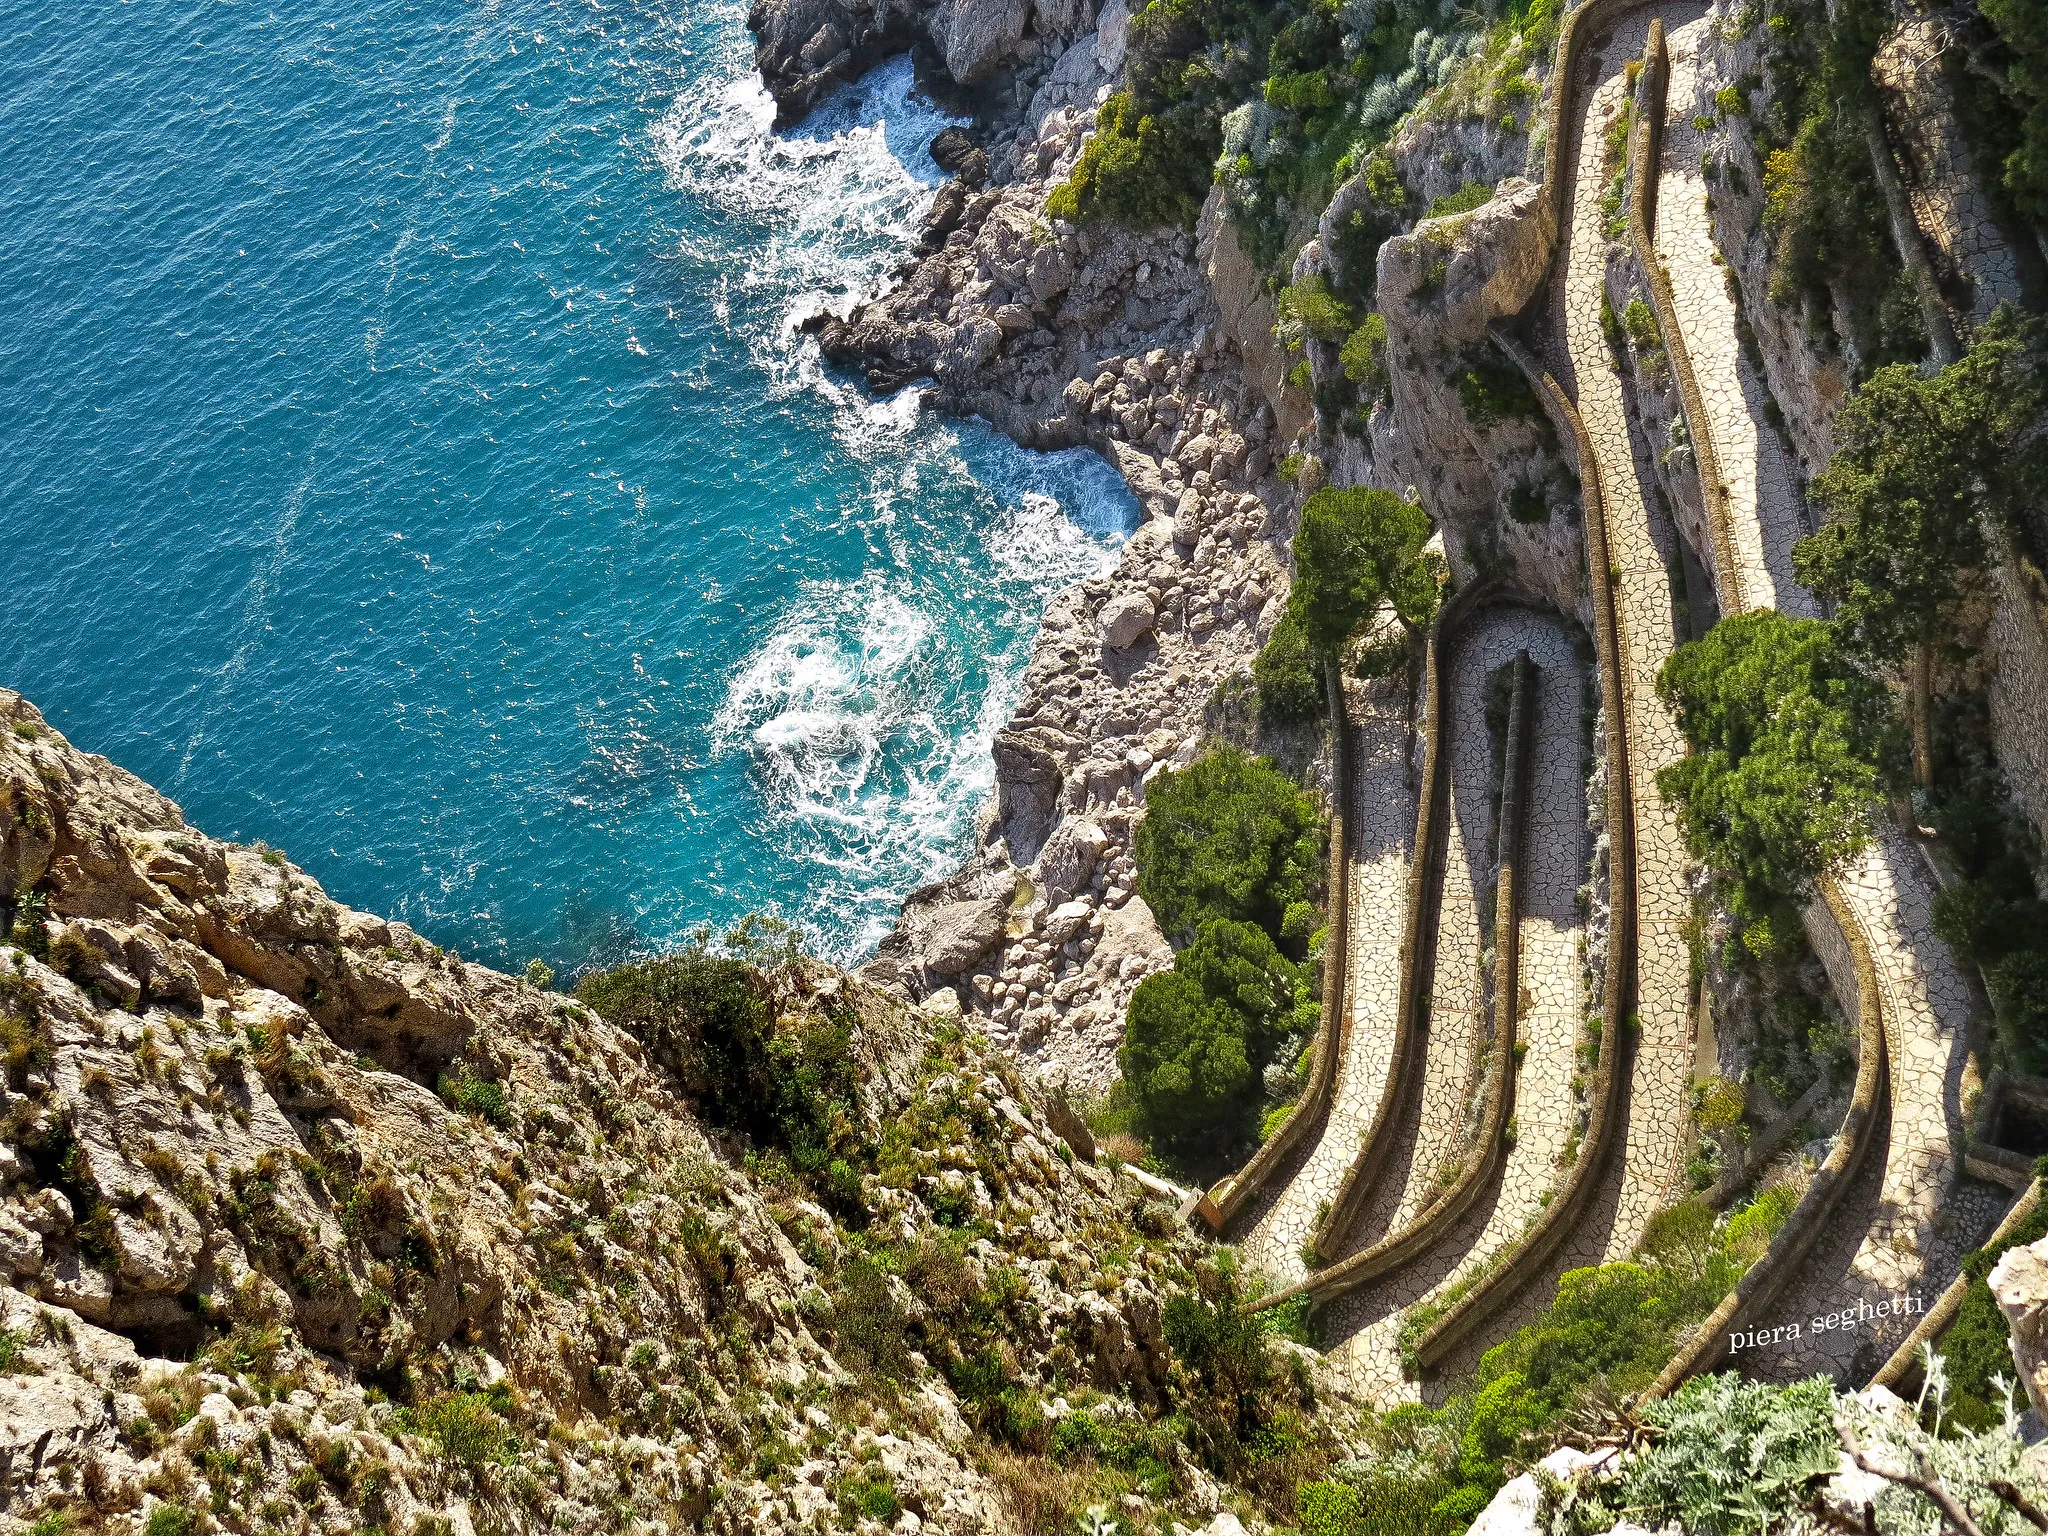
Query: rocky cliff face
x=1000 y=51
x=301 y=1215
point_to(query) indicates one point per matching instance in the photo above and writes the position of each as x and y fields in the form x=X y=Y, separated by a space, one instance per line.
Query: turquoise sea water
x=407 y=458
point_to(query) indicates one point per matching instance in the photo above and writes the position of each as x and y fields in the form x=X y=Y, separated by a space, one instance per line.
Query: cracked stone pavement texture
x=1382 y=831
x=1939 y=172
x=1555 y=861
x=1904 y=1240
x=1643 y=550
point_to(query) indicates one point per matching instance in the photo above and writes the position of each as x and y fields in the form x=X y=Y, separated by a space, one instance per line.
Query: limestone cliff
x=303 y=1217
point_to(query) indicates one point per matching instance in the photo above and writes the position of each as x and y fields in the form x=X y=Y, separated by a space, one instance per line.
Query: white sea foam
x=865 y=712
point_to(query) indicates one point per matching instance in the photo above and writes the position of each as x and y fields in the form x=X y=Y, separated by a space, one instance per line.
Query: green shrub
x=1641 y=326
x=1310 y=305
x=869 y=1495
x=1786 y=734
x=2019 y=997
x=2023 y=29
x=1199 y=1036
x=469 y=1428
x=1473 y=194
x=1354 y=549
x=705 y=1017
x=1329 y=1508
x=1751 y=1229
x=1493 y=391
x=1985 y=920
x=171 y=1520
x=1733 y=1456
x=1364 y=356
x=1140 y=170
x=1289 y=682
x=1229 y=836
x=461 y=1089
x=1228 y=1353
x=1823 y=208
x=1978 y=1344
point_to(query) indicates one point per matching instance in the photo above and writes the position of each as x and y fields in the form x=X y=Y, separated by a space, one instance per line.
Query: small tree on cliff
x=1355 y=549
x=1917 y=462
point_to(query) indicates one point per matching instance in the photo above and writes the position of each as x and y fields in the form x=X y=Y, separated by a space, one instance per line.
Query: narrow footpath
x=1383 y=828
x=1362 y=1327
x=1643 y=549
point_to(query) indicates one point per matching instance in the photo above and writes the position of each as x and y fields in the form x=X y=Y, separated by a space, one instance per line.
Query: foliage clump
x=1355 y=549
x=1786 y=736
x=785 y=1080
x=1230 y=860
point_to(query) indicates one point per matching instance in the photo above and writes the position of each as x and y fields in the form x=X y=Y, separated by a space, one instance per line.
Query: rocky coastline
x=1158 y=350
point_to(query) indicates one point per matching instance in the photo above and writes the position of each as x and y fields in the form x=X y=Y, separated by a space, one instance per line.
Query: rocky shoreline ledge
x=1148 y=348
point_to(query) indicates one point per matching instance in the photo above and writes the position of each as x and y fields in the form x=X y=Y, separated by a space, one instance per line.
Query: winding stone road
x=1383 y=828
x=1363 y=1326
x=1644 y=550
x=1901 y=1230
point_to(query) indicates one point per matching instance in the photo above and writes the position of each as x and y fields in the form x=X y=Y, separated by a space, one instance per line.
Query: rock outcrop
x=295 y=1205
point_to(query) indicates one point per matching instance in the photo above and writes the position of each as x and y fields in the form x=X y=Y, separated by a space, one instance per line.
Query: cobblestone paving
x=1643 y=549
x=1926 y=1000
x=1367 y=1322
x=1755 y=463
x=1382 y=832
x=1940 y=175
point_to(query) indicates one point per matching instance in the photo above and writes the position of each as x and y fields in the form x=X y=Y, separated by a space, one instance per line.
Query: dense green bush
x=1978 y=1345
x=1731 y=1457
x=1289 y=680
x=1354 y=549
x=1494 y=392
x=1473 y=194
x=1229 y=836
x=1230 y=859
x=2019 y=1000
x=1823 y=208
x=1364 y=357
x=1140 y=170
x=2022 y=26
x=706 y=1018
x=1786 y=736
x=1311 y=306
x=1199 y=1036
x=1916 y=460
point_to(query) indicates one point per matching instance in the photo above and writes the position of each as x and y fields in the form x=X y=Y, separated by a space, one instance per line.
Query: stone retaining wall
x=1231 y=1195
x=1521 y=1264
x=1425 y=876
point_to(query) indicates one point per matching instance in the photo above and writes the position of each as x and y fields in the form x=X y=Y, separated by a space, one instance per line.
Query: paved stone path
x=1643 y=548
x=1940 y=175
x=1926 y=999
x=1382 y=832
x=1363 y=1326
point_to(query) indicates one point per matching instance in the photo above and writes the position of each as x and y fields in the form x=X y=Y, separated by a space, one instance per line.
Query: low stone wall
x=1802 y=1229
x=1898 y=1372
x=1528 y=1257
x=1333 y=1037
x=1425 y=876
x=1422 y=1234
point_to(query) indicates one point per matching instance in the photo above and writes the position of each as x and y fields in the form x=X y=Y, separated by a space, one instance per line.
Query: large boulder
x=1126 y=620
x=960 y=933
x=2019 y=1284
x=975 y=37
